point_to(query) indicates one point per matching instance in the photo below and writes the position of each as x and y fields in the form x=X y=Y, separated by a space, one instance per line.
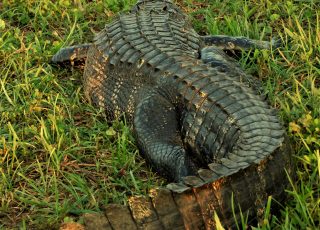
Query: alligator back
x=157 y=46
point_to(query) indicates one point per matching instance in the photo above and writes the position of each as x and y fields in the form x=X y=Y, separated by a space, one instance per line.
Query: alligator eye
x=165 y=8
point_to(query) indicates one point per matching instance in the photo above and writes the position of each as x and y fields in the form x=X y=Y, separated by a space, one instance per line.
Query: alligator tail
x=192 y=205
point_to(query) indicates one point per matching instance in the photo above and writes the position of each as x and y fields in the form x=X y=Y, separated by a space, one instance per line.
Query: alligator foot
x=239 y=43
x=77 y=53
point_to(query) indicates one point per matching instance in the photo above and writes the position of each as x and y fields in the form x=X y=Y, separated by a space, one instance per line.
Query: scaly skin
x=195 y=119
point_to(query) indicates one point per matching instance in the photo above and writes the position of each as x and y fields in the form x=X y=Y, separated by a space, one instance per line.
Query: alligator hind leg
x=156 y=129
x=213 y=54
x=77 y=53
x=238 y=43
x=218 y=59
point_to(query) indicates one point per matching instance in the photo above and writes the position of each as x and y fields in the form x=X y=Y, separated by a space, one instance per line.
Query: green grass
x=59 y=157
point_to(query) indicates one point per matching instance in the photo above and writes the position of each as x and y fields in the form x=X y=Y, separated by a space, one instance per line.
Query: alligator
x=198 y=119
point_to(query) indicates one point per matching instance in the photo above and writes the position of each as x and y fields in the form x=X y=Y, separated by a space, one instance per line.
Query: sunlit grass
x=60 y=157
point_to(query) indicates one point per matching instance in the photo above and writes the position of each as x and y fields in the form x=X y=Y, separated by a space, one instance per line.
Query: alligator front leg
x=157 y=130
x=238 y=43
